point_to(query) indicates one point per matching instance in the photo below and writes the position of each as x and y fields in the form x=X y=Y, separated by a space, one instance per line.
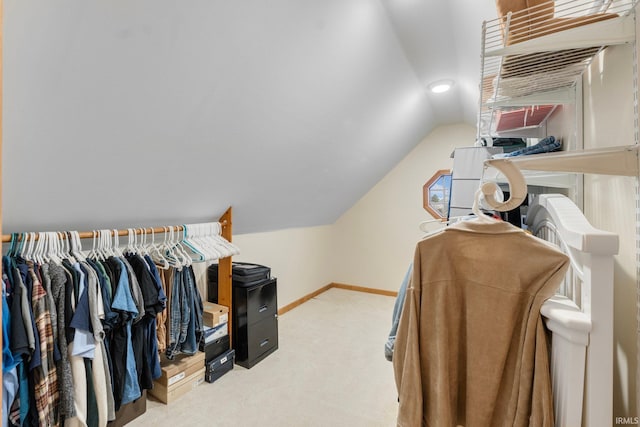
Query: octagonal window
x=436 y=193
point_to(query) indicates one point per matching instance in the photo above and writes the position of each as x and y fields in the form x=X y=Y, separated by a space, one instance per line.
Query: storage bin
x=215 y=348
x=219 y=366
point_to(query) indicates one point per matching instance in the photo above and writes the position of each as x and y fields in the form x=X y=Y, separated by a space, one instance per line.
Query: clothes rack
x=224 y=270
x=6 y=238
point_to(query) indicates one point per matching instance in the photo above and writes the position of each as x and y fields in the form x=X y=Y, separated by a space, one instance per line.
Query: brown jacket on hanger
x=471 y=347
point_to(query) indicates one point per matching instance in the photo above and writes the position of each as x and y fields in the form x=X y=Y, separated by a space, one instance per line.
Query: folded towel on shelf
x=546 y=145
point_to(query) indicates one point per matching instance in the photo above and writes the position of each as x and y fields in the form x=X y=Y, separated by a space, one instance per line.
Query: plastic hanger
x=450 y=220
x=12 y=244
x=131 y=236
x=169 y=250
x=44 y=254
x=54 y=243
x=156 y=253
x=480 y=192
x=37 y=248
x=26 y=248
x=163 y=249
x=216 y=242
x=517 y=187
x=22 y=240
x=92 y=252
x=185 y=258
x=76 y=246
x=116 y=244
x=142 y=242
x=70 y=246
x=233 y=249
x=98 y=251
x=190 y=240
x=106 y=244
x=44 y=248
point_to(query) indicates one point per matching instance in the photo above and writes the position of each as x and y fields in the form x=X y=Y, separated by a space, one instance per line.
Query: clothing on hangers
x=82 y=334
x=397 y=309
x=471 y=344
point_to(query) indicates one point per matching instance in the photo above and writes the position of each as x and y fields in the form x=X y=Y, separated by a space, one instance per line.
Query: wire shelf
x=535 y=56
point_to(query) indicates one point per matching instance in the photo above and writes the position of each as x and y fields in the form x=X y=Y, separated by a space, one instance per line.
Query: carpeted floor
x=329 y=371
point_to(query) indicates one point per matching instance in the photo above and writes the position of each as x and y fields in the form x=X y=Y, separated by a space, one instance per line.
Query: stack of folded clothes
x=546 y=145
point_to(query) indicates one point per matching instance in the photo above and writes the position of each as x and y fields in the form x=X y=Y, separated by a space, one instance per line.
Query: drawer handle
x=263 y=308
x=265 y=342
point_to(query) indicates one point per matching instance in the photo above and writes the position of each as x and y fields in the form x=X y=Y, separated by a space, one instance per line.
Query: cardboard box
x=214 y=314
x=211 y=334
x=130 y=411
x=181 y=367
x=170 y=394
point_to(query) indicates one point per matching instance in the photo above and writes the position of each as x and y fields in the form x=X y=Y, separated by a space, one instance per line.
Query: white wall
x=376 y=238
x=298 y=257
x=609 y=203
x=372 y=244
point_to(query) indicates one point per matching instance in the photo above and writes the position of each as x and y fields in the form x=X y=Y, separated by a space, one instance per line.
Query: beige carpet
x=329 y=370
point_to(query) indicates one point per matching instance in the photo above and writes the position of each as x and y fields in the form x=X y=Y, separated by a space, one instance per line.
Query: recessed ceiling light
x=440 y=86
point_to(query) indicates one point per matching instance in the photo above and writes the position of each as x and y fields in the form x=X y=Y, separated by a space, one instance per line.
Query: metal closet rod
x=6 y=238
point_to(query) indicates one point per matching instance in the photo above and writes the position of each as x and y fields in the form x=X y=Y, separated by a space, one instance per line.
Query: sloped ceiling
x=150 y=112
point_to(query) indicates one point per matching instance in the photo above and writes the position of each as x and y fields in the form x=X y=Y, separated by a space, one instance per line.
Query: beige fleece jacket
x=471 y=347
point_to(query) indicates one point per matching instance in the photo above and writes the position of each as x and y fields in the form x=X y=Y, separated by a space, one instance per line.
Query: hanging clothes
x=395 y=319
x=56 y=276
x=83 y=334
x=471 y=347
x=184 y=330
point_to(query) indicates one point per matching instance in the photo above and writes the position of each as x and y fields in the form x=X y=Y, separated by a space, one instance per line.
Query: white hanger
x=142 y=242
x=116 y=244
x=44 y=247
x=54 y=248
x=156 y=253
x=450 y=220
x=92 y=252
x=68 y=241
x=517 y=187
x=62 y=239
x=43 y=252
x=77 y=246
x=185 y=257
x=481 y=217
x=37 y=250
x=107 y=244
x=219 y=245
x=209 y=236
x=190 y=240
x=25 y=251
x=221 y=241
x=104 y=237
x=131 y=242
x=98 y=239
x=168 y=248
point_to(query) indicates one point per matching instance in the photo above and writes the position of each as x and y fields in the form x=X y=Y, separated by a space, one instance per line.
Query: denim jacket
x=397 y=309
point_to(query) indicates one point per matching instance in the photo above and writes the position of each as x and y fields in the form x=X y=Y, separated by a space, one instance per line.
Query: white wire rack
x=536 y=55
